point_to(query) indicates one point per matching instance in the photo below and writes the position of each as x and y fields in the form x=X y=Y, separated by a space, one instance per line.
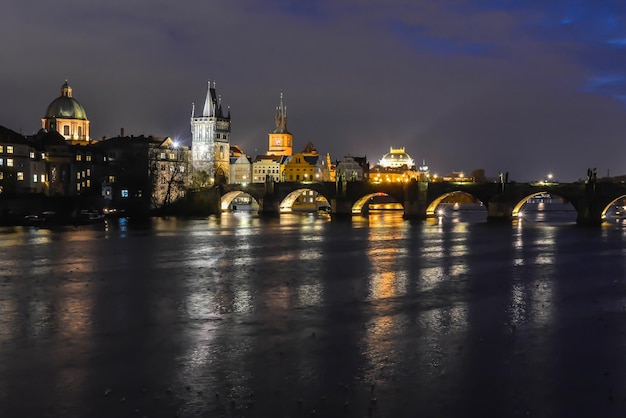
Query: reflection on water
x=243 y=316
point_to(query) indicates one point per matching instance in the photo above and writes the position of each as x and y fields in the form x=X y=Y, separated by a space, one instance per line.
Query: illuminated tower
x=280 y=140
x=210 y=139
x=66 y=116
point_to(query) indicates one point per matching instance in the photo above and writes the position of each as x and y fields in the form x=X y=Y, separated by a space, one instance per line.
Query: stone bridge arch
x=358 y=207
x=515 y=212
x=432 y=206
x=611 y=203
x=287 y=202
x=228 y=198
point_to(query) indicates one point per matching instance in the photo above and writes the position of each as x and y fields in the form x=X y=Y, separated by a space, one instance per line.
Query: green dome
x=65 y=106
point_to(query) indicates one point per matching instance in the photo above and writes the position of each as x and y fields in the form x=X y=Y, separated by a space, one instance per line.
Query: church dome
x=396 y=158
x=65 y=106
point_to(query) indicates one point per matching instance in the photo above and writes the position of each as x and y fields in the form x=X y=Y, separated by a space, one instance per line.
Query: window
x=1 y=148
x=162 y=155
x=1 y=161
x=9 y=162
x=88 y=157
x=124 y=193
x=78 y=186
x=88 y=183
x=9 y=149
x=172 y=156
x=83 y=174
x=79 y=157
x=32 y=155
x=43 y=178
x=89 y=172
x=1 y=175
x=111 y=179
x=80 y=131
x=35 y=178
x=20 y=175
x=66 y=132
x=78 y=175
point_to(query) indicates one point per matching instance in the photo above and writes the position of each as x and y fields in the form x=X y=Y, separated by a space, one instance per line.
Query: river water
x=300 y=316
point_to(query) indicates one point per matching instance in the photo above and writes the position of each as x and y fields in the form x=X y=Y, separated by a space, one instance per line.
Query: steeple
x=281 y=117
x=210 y=102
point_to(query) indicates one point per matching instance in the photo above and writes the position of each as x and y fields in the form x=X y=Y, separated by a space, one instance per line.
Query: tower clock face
x=278 y=142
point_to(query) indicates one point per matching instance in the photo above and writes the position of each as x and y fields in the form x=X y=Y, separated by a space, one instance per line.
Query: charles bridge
x=503 y=201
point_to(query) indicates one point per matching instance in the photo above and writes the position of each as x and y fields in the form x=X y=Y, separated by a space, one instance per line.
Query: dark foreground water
x=301 y=316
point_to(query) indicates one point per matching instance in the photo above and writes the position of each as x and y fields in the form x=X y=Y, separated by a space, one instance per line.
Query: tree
x=200 y=179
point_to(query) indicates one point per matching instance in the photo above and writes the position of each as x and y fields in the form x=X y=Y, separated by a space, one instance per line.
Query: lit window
x=89 y=172
x=79 y=157
x=111 y=179
x=77 y=186
x=32 y=154
x=78 y=175
x=162 y=155
x=83 y=173
x=43 y=178
x=35 y=178
x=1 y=161
x=124 y=192
x=88 y=183
x=172 y=156
x=9 y=162
x=1 y=175
x=88 y=157
x=1 y=148
x=20 y=175
x=9 y=149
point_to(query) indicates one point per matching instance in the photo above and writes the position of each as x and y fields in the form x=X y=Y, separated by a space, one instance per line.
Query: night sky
x=528 y=87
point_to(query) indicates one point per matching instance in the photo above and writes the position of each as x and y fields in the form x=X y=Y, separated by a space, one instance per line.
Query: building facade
x=210 y=139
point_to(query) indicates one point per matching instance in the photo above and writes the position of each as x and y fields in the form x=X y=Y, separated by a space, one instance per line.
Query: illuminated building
x=22 y=169
x=67 y=117
x=265 y=166
x=210 y=139
x=353 y=168
x=280 y=140
x=395 y=166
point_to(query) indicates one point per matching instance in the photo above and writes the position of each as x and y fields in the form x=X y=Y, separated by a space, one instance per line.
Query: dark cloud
x=501 y=85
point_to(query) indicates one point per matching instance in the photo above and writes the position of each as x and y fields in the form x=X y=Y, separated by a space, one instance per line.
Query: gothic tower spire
x=280 y=140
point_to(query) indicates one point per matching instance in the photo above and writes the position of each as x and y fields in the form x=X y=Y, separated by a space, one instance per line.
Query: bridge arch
x=611 y=203
x=515 y=213
x=432 y=207
x=228 y=198
x=359 y=205
x=287 y=202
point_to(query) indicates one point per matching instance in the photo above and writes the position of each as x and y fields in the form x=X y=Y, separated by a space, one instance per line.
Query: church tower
x=280 y=140
x=210 y=139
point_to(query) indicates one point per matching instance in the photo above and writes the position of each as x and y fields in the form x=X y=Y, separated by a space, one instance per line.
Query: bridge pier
x=415 y=200
x=340 y=208
x=588 y=215
x=499 y=211
x=269 y=204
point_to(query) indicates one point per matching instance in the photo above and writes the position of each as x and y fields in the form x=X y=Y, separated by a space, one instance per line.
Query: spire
x=193 y=109
x=281 y=117
x=209 y=103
